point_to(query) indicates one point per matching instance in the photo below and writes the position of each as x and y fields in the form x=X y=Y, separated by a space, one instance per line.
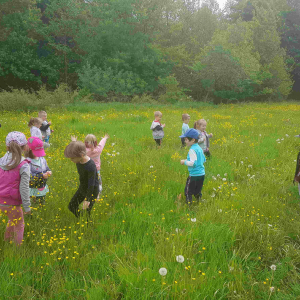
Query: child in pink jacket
x=14 y=186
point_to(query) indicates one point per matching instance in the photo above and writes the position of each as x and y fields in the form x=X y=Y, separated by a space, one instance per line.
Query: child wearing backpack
x=14 y=186
x=297 y=172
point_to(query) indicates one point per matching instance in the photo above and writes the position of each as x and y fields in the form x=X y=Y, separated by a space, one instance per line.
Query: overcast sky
x=221 y=3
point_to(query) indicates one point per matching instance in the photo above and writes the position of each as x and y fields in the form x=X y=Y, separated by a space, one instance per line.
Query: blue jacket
x=197 y=168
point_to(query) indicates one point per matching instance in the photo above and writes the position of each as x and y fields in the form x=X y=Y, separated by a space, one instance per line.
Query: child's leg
x=188 y=191
x=75 y=202
x=158 y=141
x=198 y=187
x=15 y=226
x=207 y=153
x=182 y=142
x=47 y=139
x=100 y=184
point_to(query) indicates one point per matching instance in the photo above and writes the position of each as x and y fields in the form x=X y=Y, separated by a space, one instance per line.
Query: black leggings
x=78 y=198
x=158 y=141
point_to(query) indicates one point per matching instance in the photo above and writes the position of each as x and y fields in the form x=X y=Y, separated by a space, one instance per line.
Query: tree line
x=250 y=50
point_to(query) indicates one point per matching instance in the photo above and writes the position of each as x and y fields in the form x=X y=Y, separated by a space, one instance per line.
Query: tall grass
x=248 y=220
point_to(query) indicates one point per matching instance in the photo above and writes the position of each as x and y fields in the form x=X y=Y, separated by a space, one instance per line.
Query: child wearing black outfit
x=89 y=184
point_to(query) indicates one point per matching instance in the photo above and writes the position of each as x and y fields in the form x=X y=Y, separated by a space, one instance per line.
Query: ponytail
x=16 y=151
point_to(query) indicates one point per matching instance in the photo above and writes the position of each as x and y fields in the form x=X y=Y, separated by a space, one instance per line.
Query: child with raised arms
x=157 y=128
x=35 y=124
x=39 y=170
x=203 y=139
x=88 y=189
x=194 y=162
x=14 y=186
x=186 y=119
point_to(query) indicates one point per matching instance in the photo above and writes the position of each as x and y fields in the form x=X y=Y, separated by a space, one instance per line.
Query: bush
x=42 y=99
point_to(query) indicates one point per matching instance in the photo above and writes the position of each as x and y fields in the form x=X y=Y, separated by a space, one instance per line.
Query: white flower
x=272 y=289
x=248 y=175
x=163 y=271
x=214 y=178
x=249 y=166
x=232 y=194
x=282 y=139
x=224 y=179
x=225 y=174
x=287 y=135
x=219 y=210
x=180 y=258
x=193 y=220
x=273 y=267
x=213 y=195
x=278 y=143
x=113 y=144
x=151 y=167
x=177 y=230
x=259 y=134
x=220 y=187
x=277 y=140
x=214 y=189
x=108 y=153
x=218 y=175
x=242 y=162
x=118 y=153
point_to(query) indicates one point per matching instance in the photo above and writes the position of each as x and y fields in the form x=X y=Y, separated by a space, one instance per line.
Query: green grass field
x=248 y=221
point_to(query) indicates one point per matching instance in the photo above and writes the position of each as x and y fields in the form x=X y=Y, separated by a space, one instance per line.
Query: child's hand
x=52 y=130
x=49 y=173
x=27 y=213
x=73 y=138
x=106 y=136
x=163 y=125
x=182 y=161
x=49 y=122
x=211 y=135
x=85 y=204
x=45 y=175
x=43 y=137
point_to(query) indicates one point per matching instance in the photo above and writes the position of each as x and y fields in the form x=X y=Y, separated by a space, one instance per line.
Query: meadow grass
x=248 y=220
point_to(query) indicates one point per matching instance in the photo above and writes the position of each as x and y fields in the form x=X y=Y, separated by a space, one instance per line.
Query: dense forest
x=250 y=50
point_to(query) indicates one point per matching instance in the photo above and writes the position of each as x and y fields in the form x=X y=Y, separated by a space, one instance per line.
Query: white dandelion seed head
x=177 y=230
x=151 y=167
x=180 y=258
x=248 y=175
x=218 y=175
x=224 y=179
x=193 y=220
x=225 y=174
x=273 y=267
x=242 y=162
x=272 y=289
x=163 y=271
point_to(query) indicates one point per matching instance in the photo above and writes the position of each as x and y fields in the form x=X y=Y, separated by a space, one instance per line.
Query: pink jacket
x=9 y=185
x=95 y=153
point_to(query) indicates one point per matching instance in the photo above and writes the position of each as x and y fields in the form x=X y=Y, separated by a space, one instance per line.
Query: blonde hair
x=16 y=150
x=185 y=116
x=75 y=149
x=42 y=113
x=157 y=114
x=90 y=141
x=34 y=121
x=198 y=123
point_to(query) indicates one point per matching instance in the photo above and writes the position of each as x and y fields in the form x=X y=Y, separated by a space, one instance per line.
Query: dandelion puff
x=224 y=179
x=242 y=162
x=272 y=289
x=177 y=230
x=163 y=271
x=273 y=267
x=193 y=220
x=180 y=258
x=225 y=174
x=218 y=175
x=151 y=167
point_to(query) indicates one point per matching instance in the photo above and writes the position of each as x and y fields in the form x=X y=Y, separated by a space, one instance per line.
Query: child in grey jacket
x=157 y=128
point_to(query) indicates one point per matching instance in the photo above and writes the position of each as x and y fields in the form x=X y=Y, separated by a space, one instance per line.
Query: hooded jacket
x=19 y=187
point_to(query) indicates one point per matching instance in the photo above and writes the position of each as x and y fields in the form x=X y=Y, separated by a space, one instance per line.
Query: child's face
x=76 y=160
x=158 y=118
x=38 y=125
x=187 y=120
x=202 y=126
x=188 y=142
x=44 y=117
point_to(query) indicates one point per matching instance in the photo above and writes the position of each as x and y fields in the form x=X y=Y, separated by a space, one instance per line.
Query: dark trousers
x=193 y=186
x=78 y=198
x=207 y=154
x=158 y=141
x=183 y=142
